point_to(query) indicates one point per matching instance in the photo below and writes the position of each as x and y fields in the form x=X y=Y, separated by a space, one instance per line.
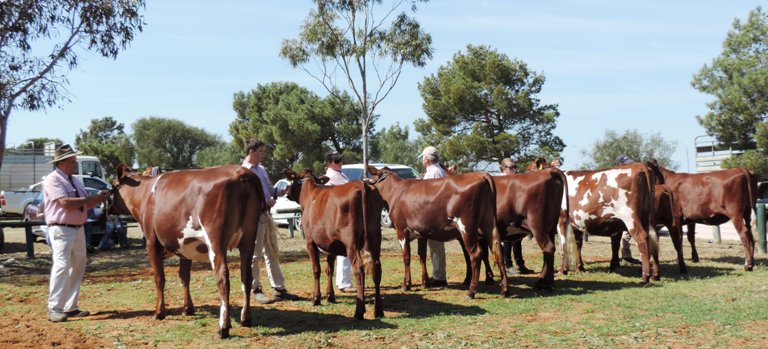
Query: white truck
x=20 y=176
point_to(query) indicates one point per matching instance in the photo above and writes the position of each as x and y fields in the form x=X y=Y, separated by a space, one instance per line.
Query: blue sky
x=617 y=65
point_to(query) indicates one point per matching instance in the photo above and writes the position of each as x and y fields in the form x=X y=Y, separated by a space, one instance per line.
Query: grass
x=716 y=304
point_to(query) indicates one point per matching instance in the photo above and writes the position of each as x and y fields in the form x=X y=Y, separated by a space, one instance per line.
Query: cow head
x=380 y=174
x=122 y=178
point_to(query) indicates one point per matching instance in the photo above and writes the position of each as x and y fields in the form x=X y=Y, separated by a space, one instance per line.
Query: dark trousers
x=510 y=248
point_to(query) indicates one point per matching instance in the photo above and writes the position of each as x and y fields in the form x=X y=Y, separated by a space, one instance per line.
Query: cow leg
x=422 y=250
x=473 y=248
x=378 y=308
x=359 y=274
x=747 y=240
x=486 y=262
x=641 y=238
x=185 y=267
x=468 y=274
x=546 y=242
x=615 y=244
x=155 y=253
x=221 y=271
x=692 y=241
x=329 y=291
x=314 y=258
x=579 y=236
x=246 y=248
x=405 y=244
x=677 y=241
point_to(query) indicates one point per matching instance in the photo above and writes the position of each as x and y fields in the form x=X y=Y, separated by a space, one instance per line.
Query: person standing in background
x=430 y=158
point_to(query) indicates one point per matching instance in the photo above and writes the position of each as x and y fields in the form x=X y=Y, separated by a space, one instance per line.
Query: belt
x=67 y=225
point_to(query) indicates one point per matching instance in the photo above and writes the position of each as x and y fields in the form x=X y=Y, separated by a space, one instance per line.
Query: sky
x=609 y=65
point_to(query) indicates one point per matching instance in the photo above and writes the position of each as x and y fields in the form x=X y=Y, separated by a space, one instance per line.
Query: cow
x=530 y=203
x=439 y=208
x=343 y=220
x=714 y=198
x=196 y=215
x=606 y=203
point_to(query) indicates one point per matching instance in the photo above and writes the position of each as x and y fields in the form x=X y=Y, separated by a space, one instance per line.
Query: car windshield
x=357 y=173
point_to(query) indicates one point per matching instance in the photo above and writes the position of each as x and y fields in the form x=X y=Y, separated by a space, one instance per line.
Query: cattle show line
x=201 y=214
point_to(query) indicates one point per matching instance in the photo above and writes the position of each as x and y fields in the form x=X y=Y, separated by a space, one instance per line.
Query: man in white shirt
x=333 y=162
x=430 y=158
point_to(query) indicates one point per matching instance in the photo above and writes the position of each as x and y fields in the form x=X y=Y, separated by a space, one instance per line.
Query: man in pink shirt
x=66 y=206
x=430 y=158
x=333 y=162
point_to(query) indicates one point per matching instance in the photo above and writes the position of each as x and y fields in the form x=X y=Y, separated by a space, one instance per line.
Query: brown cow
x=343 y=220
x=196 y=215
x=608 y=202
x=530 y=203
x=714 y=198
x=437 y=209
x=668 y=213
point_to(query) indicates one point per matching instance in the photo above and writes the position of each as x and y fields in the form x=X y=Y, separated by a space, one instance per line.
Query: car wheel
x=297 y=222
x=386 y=222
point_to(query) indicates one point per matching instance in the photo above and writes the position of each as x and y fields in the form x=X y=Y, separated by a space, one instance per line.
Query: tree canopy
x=633 y=144
x=366 y=44
x=169 y=143
x=297 y=123
x=105 y=138
x=391 y=145
x=482 y=107
x=41 y=39
x=738 y=79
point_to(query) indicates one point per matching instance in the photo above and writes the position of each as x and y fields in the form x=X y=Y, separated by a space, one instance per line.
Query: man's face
x=69 y=166
x=259 y=154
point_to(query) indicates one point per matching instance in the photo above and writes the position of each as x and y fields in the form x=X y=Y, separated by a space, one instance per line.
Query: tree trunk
x=3 y=133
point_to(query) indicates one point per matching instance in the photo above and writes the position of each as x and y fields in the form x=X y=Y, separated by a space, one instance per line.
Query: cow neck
x=308 y=186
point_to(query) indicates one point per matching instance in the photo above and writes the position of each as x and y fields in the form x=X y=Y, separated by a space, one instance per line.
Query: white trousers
x=271 y=257
x=437 y=251
x=343 y=268
x=68 y=268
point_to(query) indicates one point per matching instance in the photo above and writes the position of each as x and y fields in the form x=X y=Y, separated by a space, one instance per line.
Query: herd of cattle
x=201 y=214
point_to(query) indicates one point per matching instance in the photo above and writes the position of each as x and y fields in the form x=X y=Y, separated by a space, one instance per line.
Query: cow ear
x=120 y=170
x=322 y=180
x=373 y=170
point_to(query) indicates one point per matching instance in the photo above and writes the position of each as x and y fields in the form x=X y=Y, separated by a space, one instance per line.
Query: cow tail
x=752 y=197
x=495 y=242
x=653 y=237
x=365 y=255
x=570 y=249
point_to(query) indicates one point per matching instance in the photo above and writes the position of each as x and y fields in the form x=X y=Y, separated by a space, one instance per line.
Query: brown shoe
x=350 y=289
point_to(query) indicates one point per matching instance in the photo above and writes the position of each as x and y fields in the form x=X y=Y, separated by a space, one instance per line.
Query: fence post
x=761 y=227
x=30 y=241
x=716 y=234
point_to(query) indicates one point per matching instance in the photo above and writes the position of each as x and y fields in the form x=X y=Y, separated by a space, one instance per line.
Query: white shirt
x=336 y=177
x=434 y=171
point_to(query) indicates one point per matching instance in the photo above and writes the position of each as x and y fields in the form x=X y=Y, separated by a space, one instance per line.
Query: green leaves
x=169 y=143
x=482 y=107
x=636 y=146
x=105 y=139
x=738 y=79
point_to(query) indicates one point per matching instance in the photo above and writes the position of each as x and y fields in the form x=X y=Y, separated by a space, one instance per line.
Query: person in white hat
x=66 y=206
x=430 y=158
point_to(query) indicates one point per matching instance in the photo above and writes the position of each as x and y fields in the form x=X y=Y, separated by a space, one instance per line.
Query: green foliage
x=392 y=146
x=220 y=154
x=39 y=143
x=105 y=138
x=483 y=107
x=353 y=38
x=752 y=160
x=39 y=41
x=169 y=143
x=738 y=79
x=300 y=126
x=636 y=146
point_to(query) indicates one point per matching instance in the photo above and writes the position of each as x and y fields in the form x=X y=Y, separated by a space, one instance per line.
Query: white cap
x=430 y=150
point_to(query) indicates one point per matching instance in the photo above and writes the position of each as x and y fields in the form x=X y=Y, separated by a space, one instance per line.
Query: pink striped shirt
x=57 y=185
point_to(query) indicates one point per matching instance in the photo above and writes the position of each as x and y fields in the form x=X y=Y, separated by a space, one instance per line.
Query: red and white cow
x=608 y=202
x=437 y=209
x=196 y=215
x=343 y=220
x=714 y=198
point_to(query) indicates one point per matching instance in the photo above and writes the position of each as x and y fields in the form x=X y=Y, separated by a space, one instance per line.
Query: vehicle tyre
x=297 y=221
x=386 y=222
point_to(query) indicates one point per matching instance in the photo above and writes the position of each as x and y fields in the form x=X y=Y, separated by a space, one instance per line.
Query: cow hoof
x=656 y=278
x=189 y=312
x=223 y=333
x=159 y=316
x=469 y=297
x=330 y=300
x=544 y=286
x=379 y=314
x=359 y=317
x=748 y=267
x=695 y=259
x=246 y=323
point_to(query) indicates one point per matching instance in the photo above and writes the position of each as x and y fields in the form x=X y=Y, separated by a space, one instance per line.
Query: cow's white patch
x=609 y=207
x=154 y=184
x=222 y=313
x=191 y=240
x=402 y=243
x=460 y=225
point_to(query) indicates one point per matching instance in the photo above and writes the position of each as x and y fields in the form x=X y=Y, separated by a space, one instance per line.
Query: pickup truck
x=13 y=202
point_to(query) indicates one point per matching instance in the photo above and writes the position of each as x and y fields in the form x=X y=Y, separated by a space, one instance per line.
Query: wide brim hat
x=63 y=152
x=430 y=150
